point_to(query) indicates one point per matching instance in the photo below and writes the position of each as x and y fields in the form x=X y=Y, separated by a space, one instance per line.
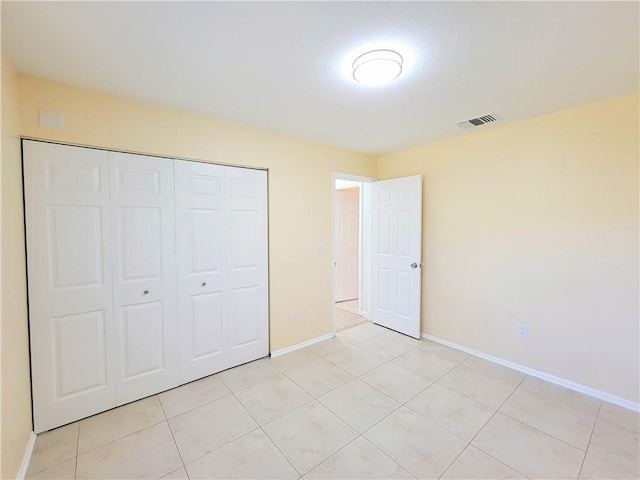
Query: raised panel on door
x=70 y=288
x=247 y=334
x=144 y=296
x=201 y=268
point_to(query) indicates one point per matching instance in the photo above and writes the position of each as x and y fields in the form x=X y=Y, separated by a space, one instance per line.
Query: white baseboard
x=321 y=338
x=27 y=457
x=607 y=397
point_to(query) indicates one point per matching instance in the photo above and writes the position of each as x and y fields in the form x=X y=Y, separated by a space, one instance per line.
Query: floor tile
x=594 y=468
x=358 y=460
x=385 y=346
x=458 y=414
x=400 y=337
x=566 y=415
x=114 y=424
x=193 y=395
x=396 y=381
x=251 y=456
x=247 y=375
x=346 y=320
x=65 y=470
x=424 y=363
x=616 y=445
x=477 y=386
x=207 y=428
x=359 y=334
x=327 y=347
x=180 y=474
x=309 y=435
x=319 y=377
x=292 y=360
x=622 y=417
x=417 y=444
x=527 y=450
x=53 y=447
x=149 y=453
x=475 y=464
x=355 y=360
x=443 y=351
x=378 y=328
x=542 y=387
x=273 y=398
x=352 y=306
x=358 y=404
x=507 y=375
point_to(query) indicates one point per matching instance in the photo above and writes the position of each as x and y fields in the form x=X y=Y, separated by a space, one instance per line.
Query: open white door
x=397 y=243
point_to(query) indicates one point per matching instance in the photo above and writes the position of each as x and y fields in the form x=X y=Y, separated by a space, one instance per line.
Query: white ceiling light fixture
x=377 y=67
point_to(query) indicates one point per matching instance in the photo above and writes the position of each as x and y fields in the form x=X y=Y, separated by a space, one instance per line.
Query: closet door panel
x=143 y=239
x=70 y=288
x=201 y=264
x=248 y=325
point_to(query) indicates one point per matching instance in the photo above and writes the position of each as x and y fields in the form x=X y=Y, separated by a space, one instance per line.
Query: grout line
x=338 y=450
x=162 y=408
x=281 y=452
x=498 y=410
x=173 y=436
x=454 y=460
x=547 y=434
x=593 y=429
x=119 y=438
x=177 y=448
x=217 y=448
x=265 y=432
x=75 y=469
x=486 y=423
x=385 y=453
x=614 y=423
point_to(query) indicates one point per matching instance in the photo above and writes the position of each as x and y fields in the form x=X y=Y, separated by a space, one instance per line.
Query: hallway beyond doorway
x=347 y=315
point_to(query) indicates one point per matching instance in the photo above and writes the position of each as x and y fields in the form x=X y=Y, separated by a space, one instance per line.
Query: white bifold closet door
x=144 y=273
x=144 y=277
x=70 y=286
x=221 y=238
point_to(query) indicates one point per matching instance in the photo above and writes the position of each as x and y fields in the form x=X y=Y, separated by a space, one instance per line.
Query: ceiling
x=286 y=66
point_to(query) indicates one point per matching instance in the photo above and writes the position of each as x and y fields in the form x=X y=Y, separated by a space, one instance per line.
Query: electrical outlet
x=294 y=317
x=523 y=330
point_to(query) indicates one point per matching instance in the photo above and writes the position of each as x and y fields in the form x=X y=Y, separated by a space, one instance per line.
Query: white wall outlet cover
x=319 y=247
x=50 y=119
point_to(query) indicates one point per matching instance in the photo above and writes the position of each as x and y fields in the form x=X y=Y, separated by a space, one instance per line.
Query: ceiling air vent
x=476 y=122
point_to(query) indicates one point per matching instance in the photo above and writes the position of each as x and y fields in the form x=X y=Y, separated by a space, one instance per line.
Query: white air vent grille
x=476 y=122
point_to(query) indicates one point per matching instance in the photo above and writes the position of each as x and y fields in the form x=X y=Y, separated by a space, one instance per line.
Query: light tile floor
x=347 y=315
x=369 y=403
x=352 y=306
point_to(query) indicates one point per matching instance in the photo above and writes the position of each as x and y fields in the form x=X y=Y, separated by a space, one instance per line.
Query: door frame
x=365 y=261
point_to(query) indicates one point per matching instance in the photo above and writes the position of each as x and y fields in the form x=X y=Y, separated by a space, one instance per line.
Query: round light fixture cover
x=377 y=67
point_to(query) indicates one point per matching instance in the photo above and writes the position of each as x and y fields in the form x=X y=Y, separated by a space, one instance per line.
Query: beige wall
x=16 y=391
x=537 y=223
x=534 y=222
x=299 y=184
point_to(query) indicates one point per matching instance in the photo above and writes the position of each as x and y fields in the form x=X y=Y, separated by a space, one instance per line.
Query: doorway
x=351 y=251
